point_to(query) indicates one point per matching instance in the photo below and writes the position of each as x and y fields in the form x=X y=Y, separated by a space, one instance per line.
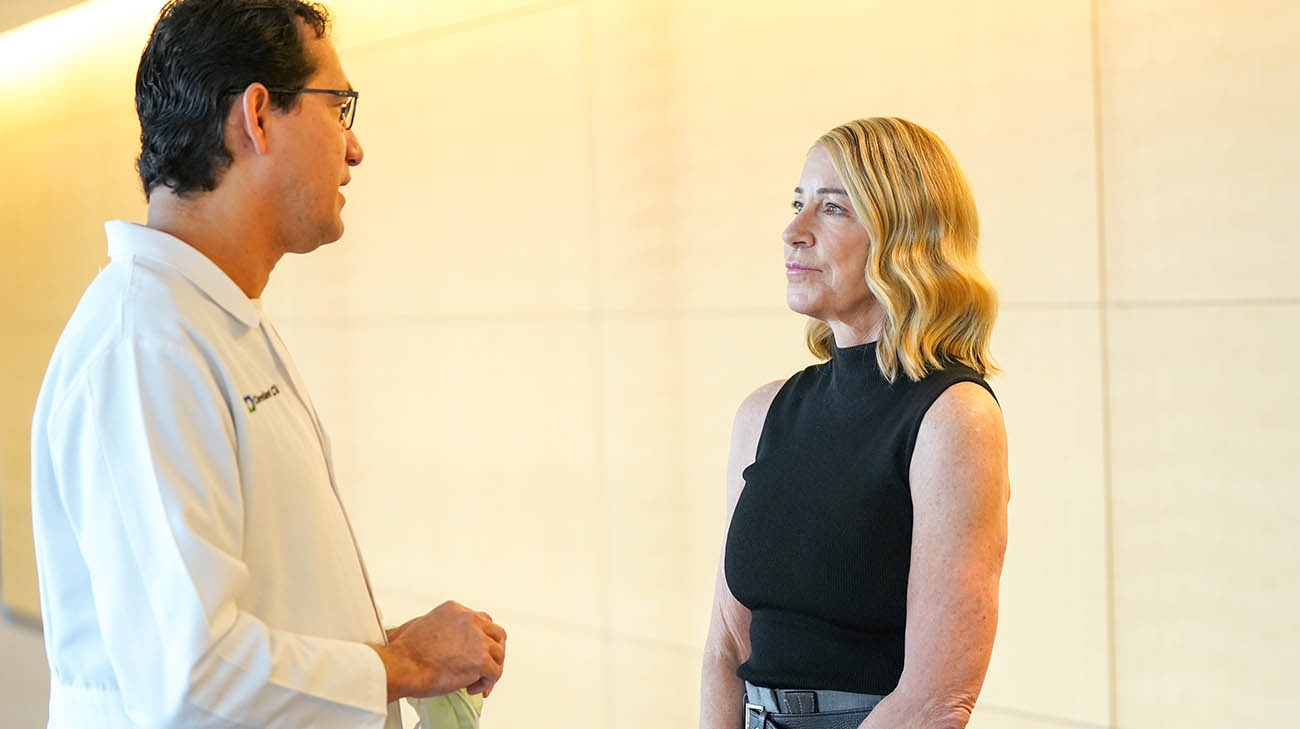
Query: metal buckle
x=755 y=711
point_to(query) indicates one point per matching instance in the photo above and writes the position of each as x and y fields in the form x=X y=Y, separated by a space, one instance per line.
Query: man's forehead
x=329 y=70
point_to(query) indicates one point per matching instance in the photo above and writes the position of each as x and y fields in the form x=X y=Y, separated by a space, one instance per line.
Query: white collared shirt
x=196 y=565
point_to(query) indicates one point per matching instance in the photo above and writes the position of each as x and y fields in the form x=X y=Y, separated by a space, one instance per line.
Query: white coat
x=196 y=565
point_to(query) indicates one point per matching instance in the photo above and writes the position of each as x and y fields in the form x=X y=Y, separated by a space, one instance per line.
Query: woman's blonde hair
x=911 y=196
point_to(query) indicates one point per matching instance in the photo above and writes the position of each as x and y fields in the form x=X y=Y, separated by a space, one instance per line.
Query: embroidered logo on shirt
x=252 y=400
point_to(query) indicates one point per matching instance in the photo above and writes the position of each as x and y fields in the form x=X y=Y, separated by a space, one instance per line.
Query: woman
x=867 y=495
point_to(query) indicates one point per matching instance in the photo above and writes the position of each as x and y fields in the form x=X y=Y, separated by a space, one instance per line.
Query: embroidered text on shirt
x=252 y=400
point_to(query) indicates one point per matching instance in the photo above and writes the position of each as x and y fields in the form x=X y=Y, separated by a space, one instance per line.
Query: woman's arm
x=727 y=644
x=960 y=490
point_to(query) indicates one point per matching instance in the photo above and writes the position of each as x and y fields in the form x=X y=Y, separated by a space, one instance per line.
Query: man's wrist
x=398 y=668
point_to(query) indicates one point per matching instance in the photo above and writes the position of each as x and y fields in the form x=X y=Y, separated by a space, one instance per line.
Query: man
x=197 y=568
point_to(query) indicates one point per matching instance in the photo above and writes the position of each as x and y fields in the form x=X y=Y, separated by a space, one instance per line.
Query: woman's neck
x=864 y=326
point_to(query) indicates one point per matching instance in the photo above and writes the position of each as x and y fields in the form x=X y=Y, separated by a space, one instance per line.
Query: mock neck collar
x=853 y=368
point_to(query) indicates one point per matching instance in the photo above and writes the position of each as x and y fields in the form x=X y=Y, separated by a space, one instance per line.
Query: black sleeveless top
x=821 y=538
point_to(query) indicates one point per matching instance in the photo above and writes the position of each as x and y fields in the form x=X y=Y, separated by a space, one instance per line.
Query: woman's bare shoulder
x=748 y=425
x=962 y=445
x=745 y=432
x=963 y=412
x=753 y=409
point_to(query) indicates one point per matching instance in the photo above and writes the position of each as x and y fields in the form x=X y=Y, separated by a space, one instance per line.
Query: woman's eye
x=797 y=206
x=834 y=209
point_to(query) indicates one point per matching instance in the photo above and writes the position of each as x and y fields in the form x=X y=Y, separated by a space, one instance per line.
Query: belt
x=761 y=701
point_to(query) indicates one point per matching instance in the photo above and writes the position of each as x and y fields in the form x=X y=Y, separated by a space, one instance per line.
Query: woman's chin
x=801 y=305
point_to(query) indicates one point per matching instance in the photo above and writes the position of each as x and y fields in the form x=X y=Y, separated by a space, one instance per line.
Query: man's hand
x=449 y=648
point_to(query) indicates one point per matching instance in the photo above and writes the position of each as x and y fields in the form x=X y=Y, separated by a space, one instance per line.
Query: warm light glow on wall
x=72 y=63
x=35 y=47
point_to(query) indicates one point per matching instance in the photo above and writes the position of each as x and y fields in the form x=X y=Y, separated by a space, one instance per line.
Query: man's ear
x=251 y=114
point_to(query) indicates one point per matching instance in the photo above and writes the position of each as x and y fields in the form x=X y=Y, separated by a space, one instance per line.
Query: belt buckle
x=755 y=711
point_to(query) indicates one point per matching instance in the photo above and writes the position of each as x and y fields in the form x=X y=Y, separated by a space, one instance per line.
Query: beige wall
x=562 y=273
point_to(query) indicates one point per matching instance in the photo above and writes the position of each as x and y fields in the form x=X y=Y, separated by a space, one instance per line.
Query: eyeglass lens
x=348 y=112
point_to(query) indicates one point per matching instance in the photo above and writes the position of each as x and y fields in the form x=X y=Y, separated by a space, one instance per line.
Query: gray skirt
x=767 y=708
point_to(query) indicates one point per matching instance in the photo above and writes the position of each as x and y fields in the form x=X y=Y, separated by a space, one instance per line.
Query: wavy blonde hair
x=909 y=193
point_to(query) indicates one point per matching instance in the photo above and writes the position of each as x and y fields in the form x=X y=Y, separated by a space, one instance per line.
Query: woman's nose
x=796 y=233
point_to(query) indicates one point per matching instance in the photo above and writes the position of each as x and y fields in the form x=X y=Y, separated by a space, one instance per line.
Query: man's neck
x=230 y=234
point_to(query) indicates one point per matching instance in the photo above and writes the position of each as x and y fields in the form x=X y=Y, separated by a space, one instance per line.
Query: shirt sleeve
x=145 y=457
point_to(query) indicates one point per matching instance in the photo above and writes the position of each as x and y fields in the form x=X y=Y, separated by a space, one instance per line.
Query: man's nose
x=354 y=153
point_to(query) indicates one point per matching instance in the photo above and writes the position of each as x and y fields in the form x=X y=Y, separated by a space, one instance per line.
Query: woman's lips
x=798 y=268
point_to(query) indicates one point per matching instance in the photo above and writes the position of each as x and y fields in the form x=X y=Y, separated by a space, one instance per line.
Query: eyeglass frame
x=350 y=94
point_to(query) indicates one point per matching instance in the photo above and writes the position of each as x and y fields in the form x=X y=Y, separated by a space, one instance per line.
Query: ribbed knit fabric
x=820 y=541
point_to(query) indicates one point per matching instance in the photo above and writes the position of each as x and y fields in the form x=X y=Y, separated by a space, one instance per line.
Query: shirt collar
x=129 y=239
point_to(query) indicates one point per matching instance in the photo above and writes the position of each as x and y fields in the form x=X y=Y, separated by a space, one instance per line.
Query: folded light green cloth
x=456 y=710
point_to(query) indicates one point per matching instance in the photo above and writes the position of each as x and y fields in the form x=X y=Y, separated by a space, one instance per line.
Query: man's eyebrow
x=825 y=191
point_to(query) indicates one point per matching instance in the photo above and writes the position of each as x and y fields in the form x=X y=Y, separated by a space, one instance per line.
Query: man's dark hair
x=200 y=56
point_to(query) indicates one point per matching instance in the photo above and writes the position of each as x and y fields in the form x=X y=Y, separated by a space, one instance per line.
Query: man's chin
x=326 y=238
x=334 y=233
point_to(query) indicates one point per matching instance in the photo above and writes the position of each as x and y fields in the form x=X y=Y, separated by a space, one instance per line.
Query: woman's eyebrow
x=825 y=191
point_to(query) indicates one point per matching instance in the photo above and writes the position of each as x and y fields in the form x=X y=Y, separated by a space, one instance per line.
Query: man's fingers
x=495 y=632
x=492 y=665
x=489 y=626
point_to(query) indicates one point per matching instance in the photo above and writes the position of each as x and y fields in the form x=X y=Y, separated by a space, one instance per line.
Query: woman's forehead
x=818 y=171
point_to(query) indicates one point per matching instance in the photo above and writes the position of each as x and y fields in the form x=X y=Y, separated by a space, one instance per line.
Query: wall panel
x=1006 y=84
x=466 y=459
x=1199 y=102
x=1205 y=507
x=989 y=716
x=91 y=77
x=473 y=197
x=653 y=685
x=1053 y=603
x=58 y=189
x=633 y=120
x=360 y=29
x=640 y=371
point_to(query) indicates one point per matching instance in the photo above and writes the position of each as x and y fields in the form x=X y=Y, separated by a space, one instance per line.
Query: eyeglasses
x=347 y=112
